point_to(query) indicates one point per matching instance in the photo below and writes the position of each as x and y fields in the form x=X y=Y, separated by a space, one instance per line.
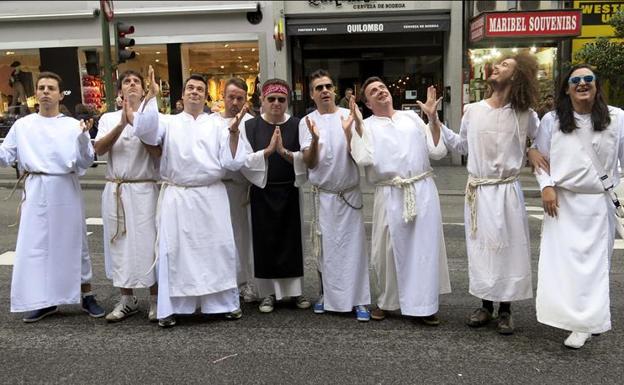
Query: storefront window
x=18 y=71
x=483 y=59
x=220 y=61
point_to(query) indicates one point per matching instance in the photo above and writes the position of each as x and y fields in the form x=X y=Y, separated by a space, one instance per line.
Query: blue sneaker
x=90 y=305
x=319 y=307
x=36 y=315
x=362 y=313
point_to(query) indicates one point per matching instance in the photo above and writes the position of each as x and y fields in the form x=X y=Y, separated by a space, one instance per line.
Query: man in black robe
x=275 y=210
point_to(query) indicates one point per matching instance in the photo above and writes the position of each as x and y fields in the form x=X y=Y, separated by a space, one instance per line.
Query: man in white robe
x=237 y=184
x=196 y=250
x=128 y=202
x=52 y=263
x=408 y=251
x=579 y=225
x=493 y=133
x=337 y=229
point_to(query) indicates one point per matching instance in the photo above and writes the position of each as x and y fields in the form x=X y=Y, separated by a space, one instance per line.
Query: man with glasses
x=337 y=229
x=275 y=209
x=493 y=133
x=408 y=251
x=196 y=253
x=237 y=185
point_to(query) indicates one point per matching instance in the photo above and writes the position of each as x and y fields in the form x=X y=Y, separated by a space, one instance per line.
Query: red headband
x=274 y=89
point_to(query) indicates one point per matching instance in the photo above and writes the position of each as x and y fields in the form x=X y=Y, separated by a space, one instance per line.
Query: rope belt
x=21 y=179
x=315 y=226
x=164 y=187
x=471 y=194
x=407 y=184
x=120 y=207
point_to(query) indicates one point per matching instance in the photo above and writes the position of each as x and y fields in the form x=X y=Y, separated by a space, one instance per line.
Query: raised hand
x=279 y=143
x=272 y=147
x=430 y=107
x=313 y=129
x=86 y=126
x=153 y=87
x=237 y=119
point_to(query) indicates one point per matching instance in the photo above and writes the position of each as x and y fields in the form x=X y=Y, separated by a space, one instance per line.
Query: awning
x=367 y=25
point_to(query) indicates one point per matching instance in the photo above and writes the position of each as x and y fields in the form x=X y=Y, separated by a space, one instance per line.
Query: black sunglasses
x=280 y=99
x=586 y=79
x=328 y=86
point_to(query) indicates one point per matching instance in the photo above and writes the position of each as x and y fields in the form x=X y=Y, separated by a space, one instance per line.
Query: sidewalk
x=451 y=180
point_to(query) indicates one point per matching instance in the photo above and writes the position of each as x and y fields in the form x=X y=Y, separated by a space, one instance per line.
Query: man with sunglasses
x=196 y=253
x=337 y=228
x=275 y=209
x=493 y=134
x=408 y=251
x=237 y=185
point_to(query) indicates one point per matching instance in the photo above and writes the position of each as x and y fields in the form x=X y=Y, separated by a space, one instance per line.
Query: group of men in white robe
x=199 y=251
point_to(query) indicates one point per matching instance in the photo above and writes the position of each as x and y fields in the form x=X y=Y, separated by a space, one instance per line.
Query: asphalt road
x=291 y=346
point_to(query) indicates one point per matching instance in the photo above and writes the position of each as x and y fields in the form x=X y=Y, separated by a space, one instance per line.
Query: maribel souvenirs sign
x=557 y=23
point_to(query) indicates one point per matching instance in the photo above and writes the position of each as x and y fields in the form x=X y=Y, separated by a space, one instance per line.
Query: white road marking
x=95 y=221
x=536 y=216
x=7 y=258
x=534 y=208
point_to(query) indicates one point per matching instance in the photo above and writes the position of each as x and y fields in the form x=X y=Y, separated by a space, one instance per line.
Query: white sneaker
x=127 y=306
x=248 y=294
x=576 y=340
x=153 y=311
x=267 y=304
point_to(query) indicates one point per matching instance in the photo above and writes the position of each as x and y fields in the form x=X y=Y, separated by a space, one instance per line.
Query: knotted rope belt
x=21 y=179
x=315 y=226
x=471 y=194
x=407 y=184
x=121 y=219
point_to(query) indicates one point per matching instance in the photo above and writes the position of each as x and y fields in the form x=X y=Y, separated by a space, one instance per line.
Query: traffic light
x=123 y=42
x=92 y=62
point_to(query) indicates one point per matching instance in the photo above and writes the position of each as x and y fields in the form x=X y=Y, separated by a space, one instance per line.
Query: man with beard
x=128 y=202
x=237 y=185
x=276 y=209
x=493 y=133
x=408 y=251
x=337 y=228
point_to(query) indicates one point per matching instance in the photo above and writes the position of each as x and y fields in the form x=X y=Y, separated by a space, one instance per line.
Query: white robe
x=344 y=260
x=52 y=257
x=499 y=254
x=237 y=185
x=197 y=254
x=576 y=246
x=129 y=257
x=409 y=259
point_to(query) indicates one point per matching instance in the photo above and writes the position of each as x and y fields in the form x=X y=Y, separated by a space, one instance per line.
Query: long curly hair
x=565 y=111
x=524 y=87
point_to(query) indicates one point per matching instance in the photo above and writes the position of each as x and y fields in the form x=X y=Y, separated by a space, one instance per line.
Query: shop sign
x=368 y=27
x=358 y=4
x=526 y=24
x=599 y=13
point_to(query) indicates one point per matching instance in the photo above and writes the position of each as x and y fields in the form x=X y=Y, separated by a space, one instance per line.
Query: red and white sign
x=557 y=23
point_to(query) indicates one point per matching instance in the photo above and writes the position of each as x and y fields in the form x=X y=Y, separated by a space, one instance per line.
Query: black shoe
x=479 y=317
x=167 y=322
x=90 y=306
x=36 y=315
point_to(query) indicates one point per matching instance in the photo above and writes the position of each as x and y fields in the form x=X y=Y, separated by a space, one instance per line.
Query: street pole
x=108 y=65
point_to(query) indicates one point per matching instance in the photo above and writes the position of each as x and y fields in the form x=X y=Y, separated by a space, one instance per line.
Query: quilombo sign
x=526 y=24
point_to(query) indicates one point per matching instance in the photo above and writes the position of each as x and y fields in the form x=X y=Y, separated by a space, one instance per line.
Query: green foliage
x=608 y=58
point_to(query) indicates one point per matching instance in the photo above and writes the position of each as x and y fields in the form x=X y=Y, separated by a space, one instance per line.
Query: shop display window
x=18 y=71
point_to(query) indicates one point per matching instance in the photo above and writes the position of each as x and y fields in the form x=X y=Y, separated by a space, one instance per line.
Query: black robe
x=275 y=216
